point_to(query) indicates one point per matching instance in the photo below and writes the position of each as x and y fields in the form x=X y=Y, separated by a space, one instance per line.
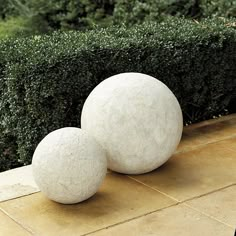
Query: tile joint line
x=128 y=220
x=209 y=216
x=17 y=222
x=205 y=144
x=187 y=200
x=152 y=212
x=21 y=196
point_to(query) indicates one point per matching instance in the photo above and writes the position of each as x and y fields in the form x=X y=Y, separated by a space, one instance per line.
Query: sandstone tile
x=119 y=199
x=207 y=132
x=219 y=131
x=228 y=143
x=230 y=118
x=191 y=174
x=192 y=140
x=176 y=220
x=9 y=227
x=16 y=183
x=220 y=204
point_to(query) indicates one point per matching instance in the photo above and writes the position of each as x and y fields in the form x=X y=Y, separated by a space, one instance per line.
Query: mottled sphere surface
x=69 y=165
x=137 y=120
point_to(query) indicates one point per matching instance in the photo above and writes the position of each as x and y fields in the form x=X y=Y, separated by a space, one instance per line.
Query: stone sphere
x=137 y=120
x=69 y=165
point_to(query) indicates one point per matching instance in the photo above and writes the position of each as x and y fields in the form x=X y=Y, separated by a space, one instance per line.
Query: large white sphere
x=137 y=120
x=69 y=165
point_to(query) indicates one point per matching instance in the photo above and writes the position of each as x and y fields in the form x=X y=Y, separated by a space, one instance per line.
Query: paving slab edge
x=17 y=222
x=159 y=210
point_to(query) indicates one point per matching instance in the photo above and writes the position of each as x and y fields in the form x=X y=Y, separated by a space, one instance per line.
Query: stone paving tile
x=219 y=131
x=16 y=183
x=229 y=144
x=220 y=205
x=176 y=220
x=9 y=228
x=119 y=199
x=192 y=140
x=207 y=132
x=228 y=118
x=194 y=173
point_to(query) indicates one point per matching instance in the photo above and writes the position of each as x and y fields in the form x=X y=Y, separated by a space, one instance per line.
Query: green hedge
x=8 y=157
x=45 y=80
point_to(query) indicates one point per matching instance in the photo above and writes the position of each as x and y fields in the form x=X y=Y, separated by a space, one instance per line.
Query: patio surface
x=193 y=194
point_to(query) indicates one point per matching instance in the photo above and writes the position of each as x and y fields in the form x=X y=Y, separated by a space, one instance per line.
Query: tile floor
x=193 y=194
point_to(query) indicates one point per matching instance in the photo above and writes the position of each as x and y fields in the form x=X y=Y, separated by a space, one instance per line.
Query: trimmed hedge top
x=44 y=80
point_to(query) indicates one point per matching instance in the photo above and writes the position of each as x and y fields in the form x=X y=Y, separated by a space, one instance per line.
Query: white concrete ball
x=69 y=165
x=137 y=120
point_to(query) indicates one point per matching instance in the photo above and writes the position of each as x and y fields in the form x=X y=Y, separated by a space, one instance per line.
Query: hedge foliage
x=44 y=80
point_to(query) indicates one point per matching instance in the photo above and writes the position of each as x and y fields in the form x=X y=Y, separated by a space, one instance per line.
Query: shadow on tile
x=193 y=173
x=119 y=199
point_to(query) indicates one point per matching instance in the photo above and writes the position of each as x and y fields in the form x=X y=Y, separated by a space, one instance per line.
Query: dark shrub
x=8 y=157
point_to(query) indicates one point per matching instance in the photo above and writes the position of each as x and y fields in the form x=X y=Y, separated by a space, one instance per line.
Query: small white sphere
x=69 y=165
x=137 y=120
